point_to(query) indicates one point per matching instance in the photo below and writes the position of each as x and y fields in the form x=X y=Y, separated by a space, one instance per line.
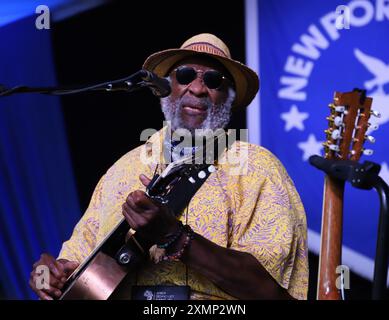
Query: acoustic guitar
x=346 y=134
x=122 y=251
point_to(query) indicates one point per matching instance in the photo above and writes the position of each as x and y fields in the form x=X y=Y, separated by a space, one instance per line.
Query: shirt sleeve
x=83 y=239
x=271 y=225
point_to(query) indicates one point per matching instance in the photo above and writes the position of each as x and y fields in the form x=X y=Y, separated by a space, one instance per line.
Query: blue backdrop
x=38 y=201
x=303 y=60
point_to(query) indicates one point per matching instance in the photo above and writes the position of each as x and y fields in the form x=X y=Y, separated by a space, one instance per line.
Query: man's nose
x=197 y=87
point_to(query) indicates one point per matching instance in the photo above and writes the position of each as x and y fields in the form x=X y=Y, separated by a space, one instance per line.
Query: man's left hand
x=152 y=220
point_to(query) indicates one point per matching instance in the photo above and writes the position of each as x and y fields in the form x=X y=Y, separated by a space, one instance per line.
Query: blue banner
x=304 y=56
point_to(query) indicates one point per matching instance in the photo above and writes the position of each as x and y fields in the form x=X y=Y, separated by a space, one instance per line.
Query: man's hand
x=59 y=272
x=152 y=220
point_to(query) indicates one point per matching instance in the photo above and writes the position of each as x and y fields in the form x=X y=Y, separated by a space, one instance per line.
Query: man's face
x=194 y=105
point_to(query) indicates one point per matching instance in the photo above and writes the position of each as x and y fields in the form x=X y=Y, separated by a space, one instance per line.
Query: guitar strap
x=177 y=201
x=185 y=189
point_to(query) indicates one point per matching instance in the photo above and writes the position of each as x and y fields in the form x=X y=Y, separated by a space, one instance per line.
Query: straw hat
x=205 y=44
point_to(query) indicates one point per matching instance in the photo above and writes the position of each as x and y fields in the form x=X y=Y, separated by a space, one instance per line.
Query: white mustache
x=205 y=103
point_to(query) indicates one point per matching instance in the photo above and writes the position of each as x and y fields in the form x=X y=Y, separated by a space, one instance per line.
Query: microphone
x=159 y=86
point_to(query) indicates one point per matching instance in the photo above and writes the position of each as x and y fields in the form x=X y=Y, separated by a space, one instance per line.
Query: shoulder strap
x=184 y=190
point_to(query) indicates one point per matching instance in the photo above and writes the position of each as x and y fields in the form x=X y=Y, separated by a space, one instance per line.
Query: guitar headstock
x=348 y=124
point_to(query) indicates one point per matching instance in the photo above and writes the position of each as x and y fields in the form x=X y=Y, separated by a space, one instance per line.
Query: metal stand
x=365 y=176
x=134 y=82
x=381 y=258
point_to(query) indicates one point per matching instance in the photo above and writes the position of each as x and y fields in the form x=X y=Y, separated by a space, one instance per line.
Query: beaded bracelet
x=173 y=238
x=178 y=255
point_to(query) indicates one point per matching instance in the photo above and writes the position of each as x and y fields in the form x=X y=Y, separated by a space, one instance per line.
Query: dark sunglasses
x=212 y=79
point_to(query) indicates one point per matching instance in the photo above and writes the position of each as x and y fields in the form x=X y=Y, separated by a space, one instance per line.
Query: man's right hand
x=59 y=272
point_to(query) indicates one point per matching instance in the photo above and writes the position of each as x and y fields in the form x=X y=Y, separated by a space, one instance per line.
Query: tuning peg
x=330 y=118
x=202 y=174
x=335 y=134
x=328 y=132
x=341 y=109
x=367 y=152
x=337 y=108
x=191 y=180
x=373 y=127
x=332 y=147
x=375 y=113
x=371 y=139
x=338 y=121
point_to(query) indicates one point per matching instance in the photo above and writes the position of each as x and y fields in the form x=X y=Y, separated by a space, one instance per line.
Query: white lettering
x=310 y=43
x=43 y=20
x=329 y=24
x=150 y=153
x=382 y=10
x=238 y=154
x=343 y=17
x=298 y=66
x=160 y=310
x=367 y=16
x=315 y=40
x=43 y=279
x=343 y=281
x=293 y=92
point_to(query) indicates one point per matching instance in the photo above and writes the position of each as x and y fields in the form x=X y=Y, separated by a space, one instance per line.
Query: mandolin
x=346 y=134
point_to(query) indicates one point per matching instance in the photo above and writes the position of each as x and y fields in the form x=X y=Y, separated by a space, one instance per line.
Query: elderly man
x=241 y=235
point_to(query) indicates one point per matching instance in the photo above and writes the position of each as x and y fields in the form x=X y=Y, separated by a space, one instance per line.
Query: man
x=246 y=234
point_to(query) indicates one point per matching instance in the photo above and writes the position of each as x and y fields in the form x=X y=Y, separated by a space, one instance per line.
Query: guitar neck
x=331 y=239
x=345 y=136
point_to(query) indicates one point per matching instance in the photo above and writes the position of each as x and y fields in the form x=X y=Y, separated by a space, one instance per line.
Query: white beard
x=218 y=116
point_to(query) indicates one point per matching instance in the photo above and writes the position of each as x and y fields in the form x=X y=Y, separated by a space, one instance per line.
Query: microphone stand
x=365 y=176
x=132 y=83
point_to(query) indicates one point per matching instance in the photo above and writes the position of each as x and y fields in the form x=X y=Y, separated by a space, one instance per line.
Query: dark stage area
x=112 y=42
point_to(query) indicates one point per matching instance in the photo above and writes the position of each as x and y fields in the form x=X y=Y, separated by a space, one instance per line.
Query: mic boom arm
x=160 y=87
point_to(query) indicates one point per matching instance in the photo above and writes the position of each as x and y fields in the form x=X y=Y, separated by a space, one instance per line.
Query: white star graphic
x=384 y=173
x=294 y=118
x=310 y=147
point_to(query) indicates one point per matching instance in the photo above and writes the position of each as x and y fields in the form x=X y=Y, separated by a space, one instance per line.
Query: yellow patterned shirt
x=257 y=211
